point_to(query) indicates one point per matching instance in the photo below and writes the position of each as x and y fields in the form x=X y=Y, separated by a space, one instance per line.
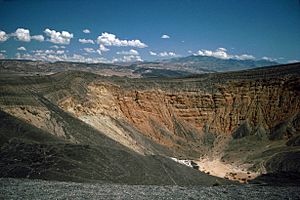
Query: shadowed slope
x=29 y=152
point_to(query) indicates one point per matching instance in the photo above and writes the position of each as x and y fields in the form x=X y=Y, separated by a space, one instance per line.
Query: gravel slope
x=36 y=189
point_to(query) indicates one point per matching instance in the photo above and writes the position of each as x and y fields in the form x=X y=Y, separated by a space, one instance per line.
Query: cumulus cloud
x=108 y=39
x=22 y=34
x=47 y=52
x=293 y=61
x=222 y=54
x=89 y=50
x=61 y=57
x=165 y=36
x=152 y=53
x=60 y=52
x=130 y=52
x=86 y=31
x=163 y=54
x=56 y=37
x=21 y=49
x=128 y=58
x=131 y=58
x=3 y=36
x=244 y=57
x=222 y=49
x=219 y=53
x=39 y=38
x=86 y=41
x=171 y=54
x=2 y=56
x=269 y=59
x=101 y=49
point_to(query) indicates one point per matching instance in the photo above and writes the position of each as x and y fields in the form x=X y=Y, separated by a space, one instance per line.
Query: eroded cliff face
x=102 y=111
x=266 y=104
x=192 y=120
x=40 y=117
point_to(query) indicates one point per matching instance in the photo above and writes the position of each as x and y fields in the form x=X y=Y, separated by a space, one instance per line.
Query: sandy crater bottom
x=221 y=169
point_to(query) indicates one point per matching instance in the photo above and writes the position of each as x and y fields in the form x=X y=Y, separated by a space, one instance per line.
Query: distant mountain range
x=220 y=65
x=195 y=65
x=175 y=67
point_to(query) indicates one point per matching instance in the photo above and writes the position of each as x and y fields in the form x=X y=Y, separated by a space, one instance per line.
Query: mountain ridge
x=175 y=67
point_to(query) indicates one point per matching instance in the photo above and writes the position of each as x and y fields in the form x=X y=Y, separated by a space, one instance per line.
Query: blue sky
x=129 y=30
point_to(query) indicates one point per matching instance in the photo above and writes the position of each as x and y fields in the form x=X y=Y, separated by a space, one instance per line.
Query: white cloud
x=172 y=54
x=3 y=36
x=101 y=49
x=152 y=53
x=244 y=57
x=131 y=58
x=86 y=41
x=219 y=53
x=47 y=52
x=99 y=52
x=293 y=61
x=39 y=38
x=130 y=52
x=61 y=57
x=21 y=49
x=18 y=56
x=2 y=56
x=22 y=34
x=163 y=54
x=60 y=52
x=54 y=47
x=165 y=36
x=39 y=51
x=222 y=49
x=89 y=50
x=128 y=58
x=222 y=54
x=3 y=51
x=57 y=47
x=108 y=39
x=86 y=31
x=56 y=37
x=269 y=59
